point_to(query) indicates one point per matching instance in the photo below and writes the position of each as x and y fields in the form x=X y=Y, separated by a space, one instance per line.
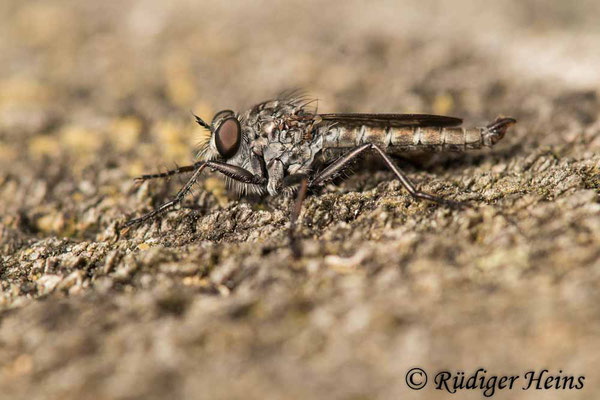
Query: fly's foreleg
x=168 y=205
x=342 y=163
x=166 y=174
x=236 y=173
x=232 y=171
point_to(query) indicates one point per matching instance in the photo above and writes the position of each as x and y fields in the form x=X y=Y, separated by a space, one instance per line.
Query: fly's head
x=223 y=139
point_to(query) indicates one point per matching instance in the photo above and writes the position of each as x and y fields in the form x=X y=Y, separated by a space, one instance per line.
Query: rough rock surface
x=208 y=302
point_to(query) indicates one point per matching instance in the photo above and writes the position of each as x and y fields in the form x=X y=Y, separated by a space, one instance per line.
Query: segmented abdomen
x=399 y=139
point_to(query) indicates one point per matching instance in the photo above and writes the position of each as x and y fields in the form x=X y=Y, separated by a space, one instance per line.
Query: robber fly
x=282 y=144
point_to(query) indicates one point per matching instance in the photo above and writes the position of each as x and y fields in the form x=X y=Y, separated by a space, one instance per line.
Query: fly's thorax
x=283 y=132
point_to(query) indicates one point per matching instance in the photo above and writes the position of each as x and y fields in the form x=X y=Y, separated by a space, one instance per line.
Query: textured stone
x=208 y=301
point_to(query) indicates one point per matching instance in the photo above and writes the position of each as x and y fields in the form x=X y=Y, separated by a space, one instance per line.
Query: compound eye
x=222 y=114
x=228 y=137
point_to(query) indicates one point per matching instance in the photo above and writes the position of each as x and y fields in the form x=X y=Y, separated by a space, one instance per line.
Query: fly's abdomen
x=342 y=136
x=404 y=139
x=398 y=139
x=435 y=139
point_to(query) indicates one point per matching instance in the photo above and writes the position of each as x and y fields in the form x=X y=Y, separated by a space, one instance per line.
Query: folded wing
x=395 y=120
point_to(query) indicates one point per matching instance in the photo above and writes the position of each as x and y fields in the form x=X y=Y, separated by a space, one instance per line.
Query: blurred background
x=85 y=82
x=93 y=93
x=97 y=74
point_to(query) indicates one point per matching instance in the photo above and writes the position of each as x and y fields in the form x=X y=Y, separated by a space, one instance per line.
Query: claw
x=501 y=124
x=497 y=129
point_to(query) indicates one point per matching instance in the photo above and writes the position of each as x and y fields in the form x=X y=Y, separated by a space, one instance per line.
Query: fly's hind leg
x=342 y=163
x=409 y=186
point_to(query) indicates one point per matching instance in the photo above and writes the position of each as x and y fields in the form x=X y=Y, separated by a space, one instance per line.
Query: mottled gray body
x=280 y=143
x=282 y=137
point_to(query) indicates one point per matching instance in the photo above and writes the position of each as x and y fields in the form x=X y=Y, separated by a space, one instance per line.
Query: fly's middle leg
x=301 y=195
x=342 y=163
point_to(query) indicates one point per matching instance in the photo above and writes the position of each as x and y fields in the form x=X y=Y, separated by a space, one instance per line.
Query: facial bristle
x=203 y=145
